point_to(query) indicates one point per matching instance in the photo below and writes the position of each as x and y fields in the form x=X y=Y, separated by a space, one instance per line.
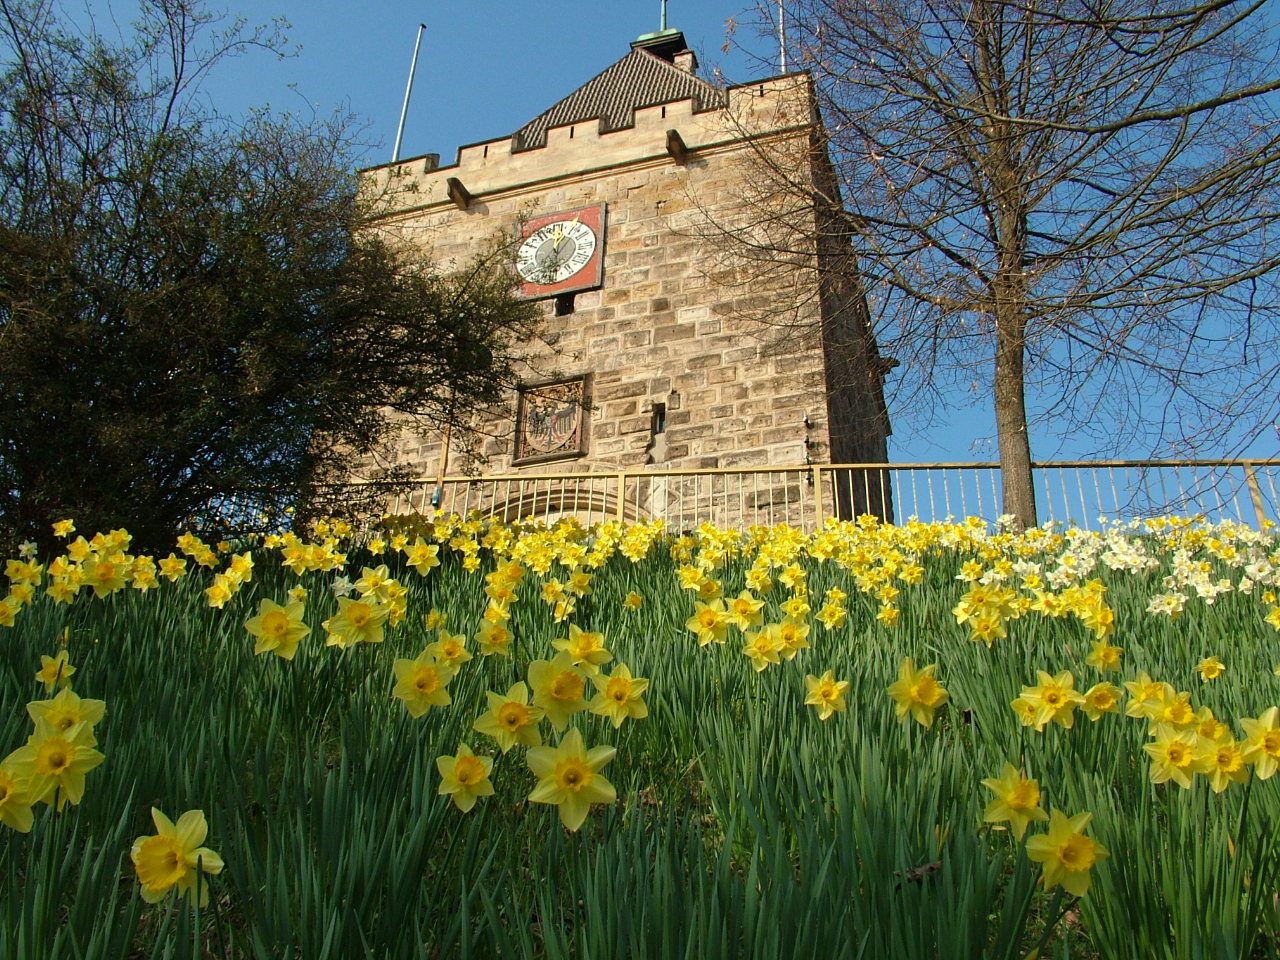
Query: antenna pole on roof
x=662 y=23
x=782 y=36
x=404 y=111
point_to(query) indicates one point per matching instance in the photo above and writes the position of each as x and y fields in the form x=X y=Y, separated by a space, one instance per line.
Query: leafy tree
x=1069 y=205
x=191 y=315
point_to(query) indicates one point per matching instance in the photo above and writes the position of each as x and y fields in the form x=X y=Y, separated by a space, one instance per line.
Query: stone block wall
x=677 y=323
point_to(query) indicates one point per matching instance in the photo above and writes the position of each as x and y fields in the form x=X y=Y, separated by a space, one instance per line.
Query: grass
x=745 y=826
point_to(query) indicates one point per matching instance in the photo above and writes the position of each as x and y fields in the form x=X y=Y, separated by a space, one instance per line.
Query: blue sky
x=488 y=66
x=485 y=67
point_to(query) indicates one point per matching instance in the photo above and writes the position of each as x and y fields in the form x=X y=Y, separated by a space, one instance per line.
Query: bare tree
x=1073 y=204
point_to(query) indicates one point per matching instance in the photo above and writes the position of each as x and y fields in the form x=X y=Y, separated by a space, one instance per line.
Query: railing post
x=622 y=491
x=817 y=497
x=1255 y=493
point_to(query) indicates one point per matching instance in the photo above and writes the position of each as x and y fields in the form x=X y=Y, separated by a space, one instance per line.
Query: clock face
x=561 y=252
x=556 y=251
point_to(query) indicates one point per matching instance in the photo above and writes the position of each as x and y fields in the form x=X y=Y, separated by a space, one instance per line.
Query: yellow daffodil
x=826 y=693
x=1222 y=761
x=793 y=577
x=220 y=591
x=356 y=621
x=104 y=576
x=709 y=622
x=494 y=637
x=569 y=777
x=15 y=801
x=1067 y=854
x=832 y=616
x=502 y=593
x=689 y=577
x=1210 y=728
x=1101 y=698
x=510 y=719
x=173 y=857
x=1105 y=656
x=421 y=683
x=1261 y=745
x=916 y=693
x=278 y=629
x=374 y=584
x=1025 y=710
x=423 y=557
x=744 y=611
x=55 y=762
x=618 y=696
x=1146 y=696
x=558 y=687
x=1017 y=800
x=240 y=567
x=55 y=671
x=792 y=636
x=758 y=580
x=22 y=571
x=465 y=777
x=1099 y=618
x=449 y=647
x=67 y=710
x=1210 y=668
x=1174 y=709
x=797 y=608
x=1172 y=755
x=1055 y=699
x=586 y=648
x=763 y=647
x=552 y=590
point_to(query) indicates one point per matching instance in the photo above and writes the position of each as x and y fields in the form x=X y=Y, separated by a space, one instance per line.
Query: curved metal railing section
x=1087 y=494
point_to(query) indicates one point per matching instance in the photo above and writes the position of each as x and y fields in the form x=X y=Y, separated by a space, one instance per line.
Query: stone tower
x=665 y=347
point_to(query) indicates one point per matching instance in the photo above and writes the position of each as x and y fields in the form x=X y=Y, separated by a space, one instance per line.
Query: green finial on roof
x=662 y=33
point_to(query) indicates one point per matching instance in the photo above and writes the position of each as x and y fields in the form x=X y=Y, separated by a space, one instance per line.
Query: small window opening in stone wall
x=564 y=304
x=657 y=450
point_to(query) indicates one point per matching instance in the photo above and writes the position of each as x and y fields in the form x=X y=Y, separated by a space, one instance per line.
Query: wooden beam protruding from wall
x=677 y=148
x=459 y=194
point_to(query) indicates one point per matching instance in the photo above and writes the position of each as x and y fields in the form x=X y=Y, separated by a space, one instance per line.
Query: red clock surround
x=561 y=252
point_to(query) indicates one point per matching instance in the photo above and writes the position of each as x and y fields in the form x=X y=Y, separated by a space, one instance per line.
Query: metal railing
x=1082 y=493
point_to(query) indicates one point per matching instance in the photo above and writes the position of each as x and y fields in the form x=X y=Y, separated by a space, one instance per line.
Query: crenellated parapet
x=666 y=133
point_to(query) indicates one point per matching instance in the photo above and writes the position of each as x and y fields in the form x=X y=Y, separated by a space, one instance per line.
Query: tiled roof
x=640 y=79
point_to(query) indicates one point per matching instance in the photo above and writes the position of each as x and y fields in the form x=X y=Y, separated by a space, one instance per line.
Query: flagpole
x=404 y=111
x=782 y=36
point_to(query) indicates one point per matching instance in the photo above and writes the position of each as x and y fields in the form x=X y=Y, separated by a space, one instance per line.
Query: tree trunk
x=1011 y=416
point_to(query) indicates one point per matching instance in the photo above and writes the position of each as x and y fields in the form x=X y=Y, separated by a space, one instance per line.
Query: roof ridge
x=639 y=79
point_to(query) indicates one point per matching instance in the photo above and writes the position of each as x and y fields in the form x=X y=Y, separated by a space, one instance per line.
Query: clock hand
x=558 y=236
